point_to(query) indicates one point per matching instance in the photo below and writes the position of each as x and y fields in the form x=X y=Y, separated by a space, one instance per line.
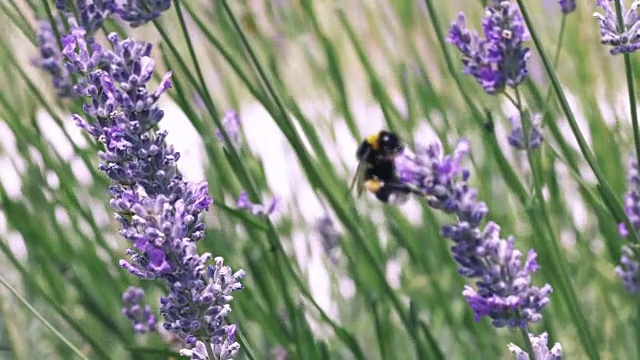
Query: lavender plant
x=140 y=12
x=503 y=293
x=621 y=40
x=140 y=315
x=499 y=59
x=91 y=14
x=394 y=285
x=629 y=268
x=231 y=123
x=567 y=6
x=50 y=59
x=540 y=348
x=498 y=62
x=244 y=203
x=516 y=136
x=160 y=213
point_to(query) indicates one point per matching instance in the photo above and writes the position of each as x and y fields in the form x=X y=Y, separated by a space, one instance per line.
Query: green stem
x=490 y=141
x=226 y=54
x=42 y=319
x=287 y=128
x=246 y=348
x=618 y=210
x=556 y=57
x=630 y=84
x=247 y=181
x=558 y=268
x=447 y=57
x=524 y=330
x=22 y=24
x=212 y=356
x=540 y=205
x=254 y=60
x=52 y=21
x=273 y=240
x=203 y=91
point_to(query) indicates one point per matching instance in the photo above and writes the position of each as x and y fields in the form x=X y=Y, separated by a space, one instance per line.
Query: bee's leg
x=373 y=185
x=379 y=189
x=398 y=198
x=404 y=188
x=393 y=193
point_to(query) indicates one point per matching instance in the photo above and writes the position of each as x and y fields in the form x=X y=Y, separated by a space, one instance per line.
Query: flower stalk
x=503 y=292
x=160 y=213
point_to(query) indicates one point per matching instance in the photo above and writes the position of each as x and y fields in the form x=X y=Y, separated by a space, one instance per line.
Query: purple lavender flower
x=140 y=12
x=244 y=203
x=474 y=56
x=632 y=197
x=505 y=31
x=622 y=41
x=62 y=5
x=231 y=124
x=51 y=60
x=160 y=213
x=142 y=318
x=198 y=101
x=622 y=230
x=225 y=351
x=91 y=13
x=629 y=267
x=628 y=270
x=567 y=6
x=329 y=236
x=503 y=291
x=516 y=136
x=499 y=59
x=540 y=349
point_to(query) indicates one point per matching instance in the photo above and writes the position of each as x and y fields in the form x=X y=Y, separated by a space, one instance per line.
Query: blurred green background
x=329 y=275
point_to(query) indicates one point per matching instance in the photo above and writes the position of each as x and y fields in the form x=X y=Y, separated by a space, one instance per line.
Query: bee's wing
x=359 y=178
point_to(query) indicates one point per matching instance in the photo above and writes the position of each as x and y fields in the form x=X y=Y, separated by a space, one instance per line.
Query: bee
x=376 y=170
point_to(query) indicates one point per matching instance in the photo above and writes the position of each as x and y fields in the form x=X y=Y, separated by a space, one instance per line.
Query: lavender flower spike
x=140 y=12
x=51 y=60
x=622 y=41
x=629 y=268
x=499 y=59
x=142 y=318
x=503 y=289
x=160 y=213
x=568 y=6
x=516 y=136
x=231 y=124
x=632 y=197
x=91 y=13
x=256 y=209
x=225 y=351
x=540 y=349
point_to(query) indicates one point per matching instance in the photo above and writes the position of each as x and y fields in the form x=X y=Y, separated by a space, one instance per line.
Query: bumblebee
x=376 y=170
x=379 y=146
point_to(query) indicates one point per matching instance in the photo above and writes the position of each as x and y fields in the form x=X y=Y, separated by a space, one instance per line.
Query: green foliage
x=325 y=74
